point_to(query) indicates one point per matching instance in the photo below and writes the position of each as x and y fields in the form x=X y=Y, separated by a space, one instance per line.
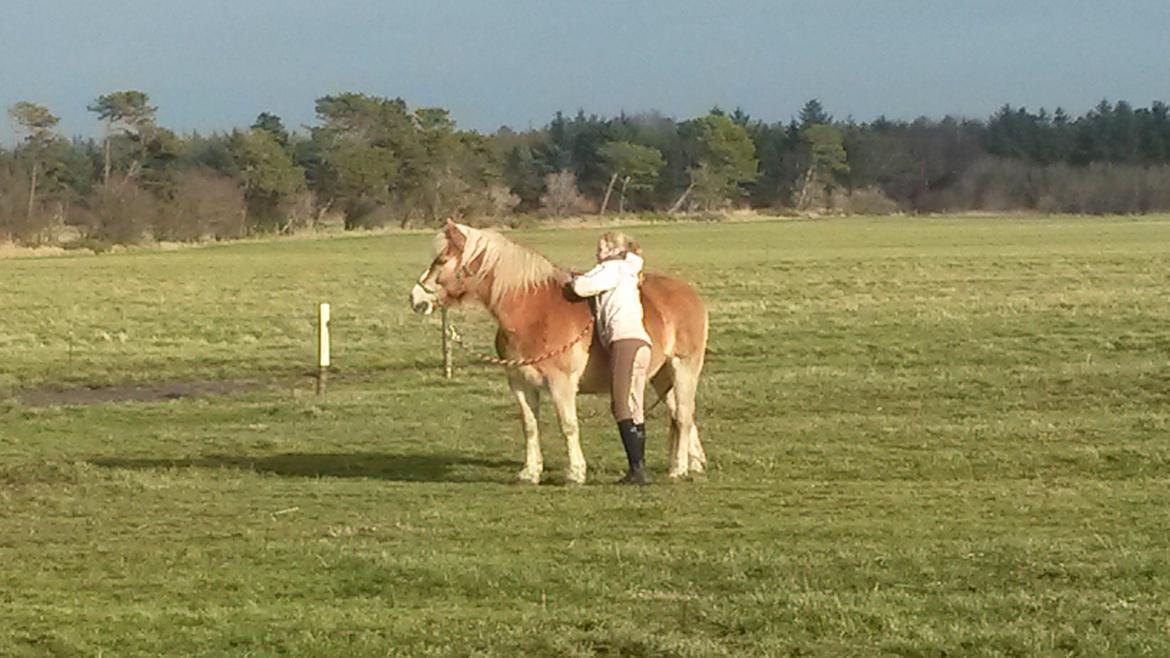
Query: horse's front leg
x=528 y=399
x=564 y=398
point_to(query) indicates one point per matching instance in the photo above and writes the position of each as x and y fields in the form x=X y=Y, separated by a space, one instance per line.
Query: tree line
x=375 y=161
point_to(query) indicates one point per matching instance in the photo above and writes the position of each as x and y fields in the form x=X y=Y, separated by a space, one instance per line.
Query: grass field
x=928 y=437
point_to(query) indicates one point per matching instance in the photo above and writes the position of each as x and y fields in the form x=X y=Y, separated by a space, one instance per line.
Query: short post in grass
x=446 y=344
x=322 y=348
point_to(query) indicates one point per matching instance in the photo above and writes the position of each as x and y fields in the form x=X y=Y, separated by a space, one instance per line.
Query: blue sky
x=215 y=64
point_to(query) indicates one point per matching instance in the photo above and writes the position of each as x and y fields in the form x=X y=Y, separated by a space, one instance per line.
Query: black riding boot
x=634 y=440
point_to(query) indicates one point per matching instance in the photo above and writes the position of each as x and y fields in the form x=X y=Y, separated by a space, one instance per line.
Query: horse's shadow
x=415 y=467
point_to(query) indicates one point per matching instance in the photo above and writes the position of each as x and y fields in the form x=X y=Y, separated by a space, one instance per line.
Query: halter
x=461 y=273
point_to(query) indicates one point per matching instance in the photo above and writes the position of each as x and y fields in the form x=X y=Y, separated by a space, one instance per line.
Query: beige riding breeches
x=629 y=362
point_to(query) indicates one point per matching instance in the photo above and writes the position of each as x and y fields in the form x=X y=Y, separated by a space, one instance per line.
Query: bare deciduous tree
x=562 y=196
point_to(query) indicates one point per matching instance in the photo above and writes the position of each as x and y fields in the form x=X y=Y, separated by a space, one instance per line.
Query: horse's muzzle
x=422 y=301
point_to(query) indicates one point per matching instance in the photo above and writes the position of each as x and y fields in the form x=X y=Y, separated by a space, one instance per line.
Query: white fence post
x=446 y=345
x=322 y=347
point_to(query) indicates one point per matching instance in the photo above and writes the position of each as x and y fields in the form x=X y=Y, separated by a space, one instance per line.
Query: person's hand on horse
x=571 y=294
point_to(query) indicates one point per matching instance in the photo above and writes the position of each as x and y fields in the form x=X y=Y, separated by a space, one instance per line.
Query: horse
x=545 y=341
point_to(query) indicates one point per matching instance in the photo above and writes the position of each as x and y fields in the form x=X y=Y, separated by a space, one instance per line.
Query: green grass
x=927 y=436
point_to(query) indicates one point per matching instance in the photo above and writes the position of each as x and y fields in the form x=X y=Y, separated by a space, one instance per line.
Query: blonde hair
x=615 y=243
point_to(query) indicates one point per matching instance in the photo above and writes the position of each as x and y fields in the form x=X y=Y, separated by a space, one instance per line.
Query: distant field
x=927 y=437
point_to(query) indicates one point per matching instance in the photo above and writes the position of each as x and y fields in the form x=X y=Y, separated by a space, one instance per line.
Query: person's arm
x=597 y=280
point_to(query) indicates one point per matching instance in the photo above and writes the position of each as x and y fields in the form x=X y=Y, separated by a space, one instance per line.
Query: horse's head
x=444 y=282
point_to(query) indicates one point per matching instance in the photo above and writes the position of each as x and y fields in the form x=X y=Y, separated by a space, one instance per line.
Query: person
x=618 y=313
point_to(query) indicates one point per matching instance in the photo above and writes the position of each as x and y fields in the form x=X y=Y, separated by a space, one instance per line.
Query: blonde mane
x=513 y=267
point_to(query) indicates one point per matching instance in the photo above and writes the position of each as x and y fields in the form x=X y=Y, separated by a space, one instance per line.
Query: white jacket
x=619 y=302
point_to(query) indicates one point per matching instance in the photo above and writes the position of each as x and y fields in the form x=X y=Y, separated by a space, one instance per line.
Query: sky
x=215 y=64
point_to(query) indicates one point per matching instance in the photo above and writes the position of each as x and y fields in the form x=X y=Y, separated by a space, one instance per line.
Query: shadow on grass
x=399 y=468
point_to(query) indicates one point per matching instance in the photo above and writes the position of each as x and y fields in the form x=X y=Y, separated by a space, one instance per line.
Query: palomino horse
x=546 y=337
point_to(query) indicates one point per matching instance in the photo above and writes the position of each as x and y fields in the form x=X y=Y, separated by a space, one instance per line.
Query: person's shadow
x=417 y=467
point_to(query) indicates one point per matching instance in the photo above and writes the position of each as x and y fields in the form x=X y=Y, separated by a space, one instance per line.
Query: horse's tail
x=661 y=396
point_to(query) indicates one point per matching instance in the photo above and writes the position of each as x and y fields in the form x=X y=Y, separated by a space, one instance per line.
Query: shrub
x=299 y=212
x=118 y=212
x=16 y=223
x=1002 y=185
x=862 y=201
x=92 y=244
x=501 y=201
x=373 y=215
x=204 y=205
x=562 y=196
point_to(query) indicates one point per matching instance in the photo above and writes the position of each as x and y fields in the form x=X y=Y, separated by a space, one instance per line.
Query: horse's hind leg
x=697 y=457
x=664 y=387
x=528 y=399
x=686 y=452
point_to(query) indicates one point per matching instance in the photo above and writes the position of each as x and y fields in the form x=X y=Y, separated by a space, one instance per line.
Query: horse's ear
x=455 y=237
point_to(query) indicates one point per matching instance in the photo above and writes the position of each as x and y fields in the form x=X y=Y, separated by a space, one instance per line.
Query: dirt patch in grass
x=159 y=392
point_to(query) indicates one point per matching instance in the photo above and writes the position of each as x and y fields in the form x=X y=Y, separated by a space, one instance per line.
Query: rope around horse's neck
x=516 y=363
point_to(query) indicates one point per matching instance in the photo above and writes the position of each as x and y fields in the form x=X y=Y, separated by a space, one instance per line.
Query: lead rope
x=516 y=363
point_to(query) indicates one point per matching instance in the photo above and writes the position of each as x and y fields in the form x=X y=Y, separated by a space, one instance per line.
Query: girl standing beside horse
x=615 y=283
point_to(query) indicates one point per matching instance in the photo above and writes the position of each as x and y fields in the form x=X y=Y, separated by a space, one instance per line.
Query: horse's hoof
x=575 y=476
x=698 y=466
x=528 y=477
x=677 y=474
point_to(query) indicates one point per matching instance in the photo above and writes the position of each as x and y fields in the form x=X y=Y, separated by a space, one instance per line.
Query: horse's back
x=676 y=319
x=675 y=316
